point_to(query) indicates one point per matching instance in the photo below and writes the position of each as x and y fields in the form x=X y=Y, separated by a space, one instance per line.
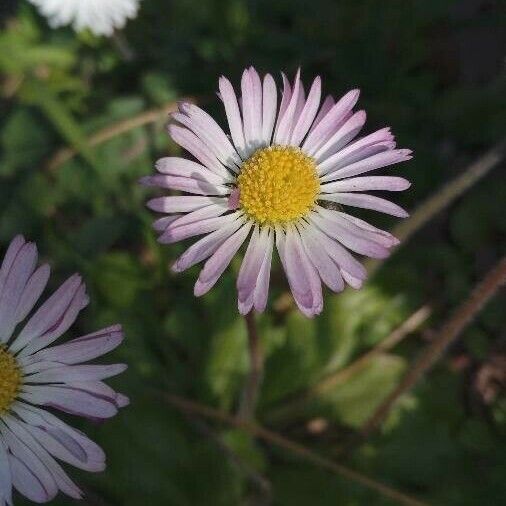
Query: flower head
x=35 y=375
x=281 y=178
x=102 y=17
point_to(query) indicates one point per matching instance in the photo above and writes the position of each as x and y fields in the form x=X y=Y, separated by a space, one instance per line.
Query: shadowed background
x=82 y=118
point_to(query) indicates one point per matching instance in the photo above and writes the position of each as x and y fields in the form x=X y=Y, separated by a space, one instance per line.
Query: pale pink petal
x=250 y=110
x=374 y=162
x=185 y=184
x=181 y=204
x=75 y=373
x=161 y=224
x=175 y=166
x=372 y=144
x=5 y=475
x=339 y=255
x=326 y=268
x=269 y=106
x=308 y=113
x=366 y=201
x=262 y=287
x=70 y=400
x=354 y=282
x=258 y=106
x=53 y=318
x=206 y=246
x=296 y=271
x=360 y=227
x=346 y=133
x=178 y=233
x=32 y=292
x=250 y=267
x=208 y=130
x=189 y=141
x=212 y=211
x=342 y=233
x=21 y=268
x=216 y=265
x=376 y=234
x=81 y=447
x=367 y=183
x=286 y=95
x=327 y=105
x=286 y=123
x=233 y=115
x=29 y=475
x=339 y=113
x=12 y=252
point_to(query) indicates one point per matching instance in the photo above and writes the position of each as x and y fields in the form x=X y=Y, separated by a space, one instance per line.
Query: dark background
x=434 y=71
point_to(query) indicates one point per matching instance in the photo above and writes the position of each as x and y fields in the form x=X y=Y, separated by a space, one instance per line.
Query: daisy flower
x=102 y=17
x=280 y=178
x=35 y=375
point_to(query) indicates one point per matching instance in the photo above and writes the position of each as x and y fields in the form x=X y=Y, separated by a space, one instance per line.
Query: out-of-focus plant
x=42 y=74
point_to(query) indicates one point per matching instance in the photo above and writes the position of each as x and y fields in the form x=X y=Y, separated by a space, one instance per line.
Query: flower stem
x=254 y=380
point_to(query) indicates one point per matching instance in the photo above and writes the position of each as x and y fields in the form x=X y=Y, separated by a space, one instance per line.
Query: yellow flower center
x=10 y=379
x=277 y=185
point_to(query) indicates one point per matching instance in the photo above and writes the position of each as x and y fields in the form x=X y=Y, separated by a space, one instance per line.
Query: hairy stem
x=254 y=380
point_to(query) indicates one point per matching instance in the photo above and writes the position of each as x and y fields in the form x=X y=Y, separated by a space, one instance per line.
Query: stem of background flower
x=442 y=199
x=254 y=380
x=450 y=331
x=124 y=49
x=276 y=439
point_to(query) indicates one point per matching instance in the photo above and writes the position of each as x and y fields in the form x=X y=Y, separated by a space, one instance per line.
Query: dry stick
x=254 y=380
x=115 y=130
x=444 y=197
x=460 y=319
x=188 y=406
x=261 y=484
x=411 y=324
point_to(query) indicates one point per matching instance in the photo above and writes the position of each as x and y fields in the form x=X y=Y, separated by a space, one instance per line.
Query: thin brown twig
x=145 y=118
x=330 y=381
x=449 y=332
x=254 y=380
x=188 y=406
x=259 y=482
x=445 y=196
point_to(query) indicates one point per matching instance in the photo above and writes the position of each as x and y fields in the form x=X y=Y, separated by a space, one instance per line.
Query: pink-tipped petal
x=233 y=113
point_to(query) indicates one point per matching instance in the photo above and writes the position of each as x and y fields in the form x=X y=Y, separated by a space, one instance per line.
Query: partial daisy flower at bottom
x=281 y=177
x=36 y=375
x=102 y=17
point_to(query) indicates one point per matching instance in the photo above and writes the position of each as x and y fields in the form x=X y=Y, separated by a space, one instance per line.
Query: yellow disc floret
x=10 y=379
x=277 y=185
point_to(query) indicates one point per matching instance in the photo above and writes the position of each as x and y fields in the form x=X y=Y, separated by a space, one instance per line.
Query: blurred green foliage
x=434 y=71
